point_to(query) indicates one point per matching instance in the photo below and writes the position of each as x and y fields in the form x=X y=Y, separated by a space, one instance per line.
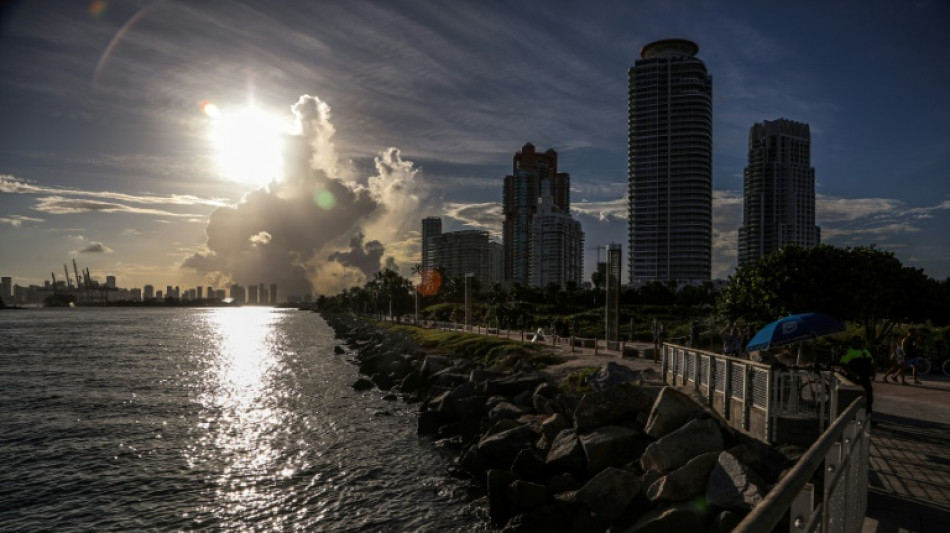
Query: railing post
x=801 y=508
x=746 y=400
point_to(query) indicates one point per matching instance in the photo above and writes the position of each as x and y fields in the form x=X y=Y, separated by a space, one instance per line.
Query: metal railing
x=827 y=489
x=738 y=389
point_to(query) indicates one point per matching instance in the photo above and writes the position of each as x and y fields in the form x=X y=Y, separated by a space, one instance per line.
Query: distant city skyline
x=202 y=143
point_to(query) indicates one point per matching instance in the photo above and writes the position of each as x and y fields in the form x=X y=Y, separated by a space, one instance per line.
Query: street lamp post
x=468 y=300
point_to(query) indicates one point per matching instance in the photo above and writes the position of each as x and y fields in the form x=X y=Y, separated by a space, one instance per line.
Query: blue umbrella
x=794 y=328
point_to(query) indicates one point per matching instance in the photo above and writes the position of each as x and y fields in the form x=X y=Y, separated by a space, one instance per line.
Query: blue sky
x=127 y=145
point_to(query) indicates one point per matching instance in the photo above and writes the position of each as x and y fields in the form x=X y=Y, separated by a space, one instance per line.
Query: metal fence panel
x=704 y=370
x=720 y=375
x=736 y=380
x=759 y=385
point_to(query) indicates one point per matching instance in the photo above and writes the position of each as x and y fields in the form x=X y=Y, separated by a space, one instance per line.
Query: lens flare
x=431 y=282
x=209 y=109
x=324 y=199
x=97 y=7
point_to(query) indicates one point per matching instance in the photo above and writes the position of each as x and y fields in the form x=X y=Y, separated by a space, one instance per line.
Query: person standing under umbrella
x=860 y=366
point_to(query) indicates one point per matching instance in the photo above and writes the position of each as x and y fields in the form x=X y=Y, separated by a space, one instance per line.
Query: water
x=205 y=419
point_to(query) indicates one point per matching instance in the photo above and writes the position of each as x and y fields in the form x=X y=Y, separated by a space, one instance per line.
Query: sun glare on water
x=247 y=143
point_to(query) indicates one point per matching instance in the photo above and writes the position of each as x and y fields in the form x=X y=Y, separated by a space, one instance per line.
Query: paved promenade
x=909 y=477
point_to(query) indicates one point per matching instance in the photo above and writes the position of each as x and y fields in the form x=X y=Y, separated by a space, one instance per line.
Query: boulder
x=503 y=411
x=686 y=482
x=504 y=446
x=514 y=384
x=600 y=408
x=608 y=446
x=734 y=485
x=528 y=465
x=682 y=516
x=671 y=410
x=362 y=384
x=564 y=482
x=338 y=349
x=525 y=495
x=433 y=364
x=551 y=426
x=497 y=482
x=612 y=374
x=677 y=448
x=607 y=495
x=725 y=522
x=566 y=453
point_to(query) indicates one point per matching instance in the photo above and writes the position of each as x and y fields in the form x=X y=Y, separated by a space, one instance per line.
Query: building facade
x=459 y=253
x=6 y=288
x=522 y=192
x=670 y=165
x=557 y=245
x=778 y=195
x=431 y=226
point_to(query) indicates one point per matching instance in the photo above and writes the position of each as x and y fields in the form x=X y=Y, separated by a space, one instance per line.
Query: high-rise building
x=464 y=252
x=431 y=226
x=6 y=287
x=520 y=203
x=612 y=303
x=237 y=293
x=273 y=294
x=149 y=292
x=252 y=294
x=670 y=164
x=557 y=245
x=110 y=282
x=778 y=198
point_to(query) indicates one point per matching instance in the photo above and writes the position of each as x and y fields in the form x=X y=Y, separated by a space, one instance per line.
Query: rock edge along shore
x=629 y=456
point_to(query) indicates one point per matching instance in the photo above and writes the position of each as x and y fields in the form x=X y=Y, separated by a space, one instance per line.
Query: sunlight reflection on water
x=240 y=410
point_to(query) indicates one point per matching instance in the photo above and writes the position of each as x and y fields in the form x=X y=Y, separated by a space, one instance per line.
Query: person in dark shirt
x=860 y=366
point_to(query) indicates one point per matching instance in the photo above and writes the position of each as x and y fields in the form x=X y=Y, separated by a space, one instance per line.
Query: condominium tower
x=460 y=253
x=522 y=193
x=778 y=199
x=670 y=165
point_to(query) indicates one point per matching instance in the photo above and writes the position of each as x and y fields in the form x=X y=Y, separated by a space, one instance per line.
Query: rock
x=683 y=516
x=514 y=384
x=433 y=364
x=338 y=349
x=362 y=384
x=612 y=374
x=671 y=410
x=525 y=495
x=550 y=427
x=600 y=408
x=607 y=495
x=504 y=446
x=543 y=405
x=725 y=522
x=566 y=453
x=685 y=482
x=734 y=485
x=562 y=483
x=497 y=482
x=677 y=448
x=503 y=411
x=429 y=422
x=608 y=446
x=528 y=465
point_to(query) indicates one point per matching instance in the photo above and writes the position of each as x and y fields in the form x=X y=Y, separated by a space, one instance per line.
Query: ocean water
x=238 y=419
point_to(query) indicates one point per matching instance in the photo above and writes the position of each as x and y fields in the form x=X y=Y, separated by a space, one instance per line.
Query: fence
x=777 y=405
x=827 y=489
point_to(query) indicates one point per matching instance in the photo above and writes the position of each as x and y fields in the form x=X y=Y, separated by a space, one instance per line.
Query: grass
x=492 y=352
x=578 y=381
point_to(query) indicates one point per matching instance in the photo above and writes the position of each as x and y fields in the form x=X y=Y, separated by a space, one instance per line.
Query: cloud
x=484 y=215
x=13 y=185
x=17 y=220
x=57 y=205
x=307 y=231
x=604 y=210
x=95 y=247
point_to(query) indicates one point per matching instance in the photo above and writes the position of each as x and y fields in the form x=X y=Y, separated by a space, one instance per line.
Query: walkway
x=909 y=477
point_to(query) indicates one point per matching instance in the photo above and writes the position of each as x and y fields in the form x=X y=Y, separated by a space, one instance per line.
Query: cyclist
x=860 y=366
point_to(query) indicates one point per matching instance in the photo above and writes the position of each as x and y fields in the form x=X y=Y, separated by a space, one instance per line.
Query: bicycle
x=925 y=364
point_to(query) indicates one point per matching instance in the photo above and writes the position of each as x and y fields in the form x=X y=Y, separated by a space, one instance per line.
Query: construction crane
x=69 y=284
x=76 y=272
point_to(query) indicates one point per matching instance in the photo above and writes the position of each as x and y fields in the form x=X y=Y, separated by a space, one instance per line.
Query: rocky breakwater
x=627 y=456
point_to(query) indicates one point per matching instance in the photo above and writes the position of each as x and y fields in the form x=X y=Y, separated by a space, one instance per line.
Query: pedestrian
x=731 y=341
x=911 y=353
x=897 y=361
x=694 y=334
x=860 y=367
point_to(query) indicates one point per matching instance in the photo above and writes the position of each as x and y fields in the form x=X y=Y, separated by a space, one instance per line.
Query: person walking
x=897 y=362
x=731 y=341
x=911 y=353
x=860 y=367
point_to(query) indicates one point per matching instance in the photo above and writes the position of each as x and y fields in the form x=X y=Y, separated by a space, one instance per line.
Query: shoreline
x=628 y=454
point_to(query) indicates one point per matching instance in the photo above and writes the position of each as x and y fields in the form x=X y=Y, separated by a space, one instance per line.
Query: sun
x=247 y=143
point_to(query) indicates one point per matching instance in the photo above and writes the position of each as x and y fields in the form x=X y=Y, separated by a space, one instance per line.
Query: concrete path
x=909 y=476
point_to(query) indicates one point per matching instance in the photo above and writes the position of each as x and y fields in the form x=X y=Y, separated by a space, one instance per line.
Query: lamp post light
x=468 y=300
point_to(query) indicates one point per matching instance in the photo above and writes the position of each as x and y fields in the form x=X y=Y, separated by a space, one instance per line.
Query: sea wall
x=627 y=456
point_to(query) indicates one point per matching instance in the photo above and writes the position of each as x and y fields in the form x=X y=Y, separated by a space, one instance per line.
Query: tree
x=863 y=285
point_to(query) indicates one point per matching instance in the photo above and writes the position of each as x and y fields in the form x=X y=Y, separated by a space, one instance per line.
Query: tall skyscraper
x=252 y=295
x=557 y=244
x=149 y=292
x=273 y=294
x=778 y=198
x=464 y=252
x=520 y=203
x=431 y=226
x=670 y=164
x=6 y=287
